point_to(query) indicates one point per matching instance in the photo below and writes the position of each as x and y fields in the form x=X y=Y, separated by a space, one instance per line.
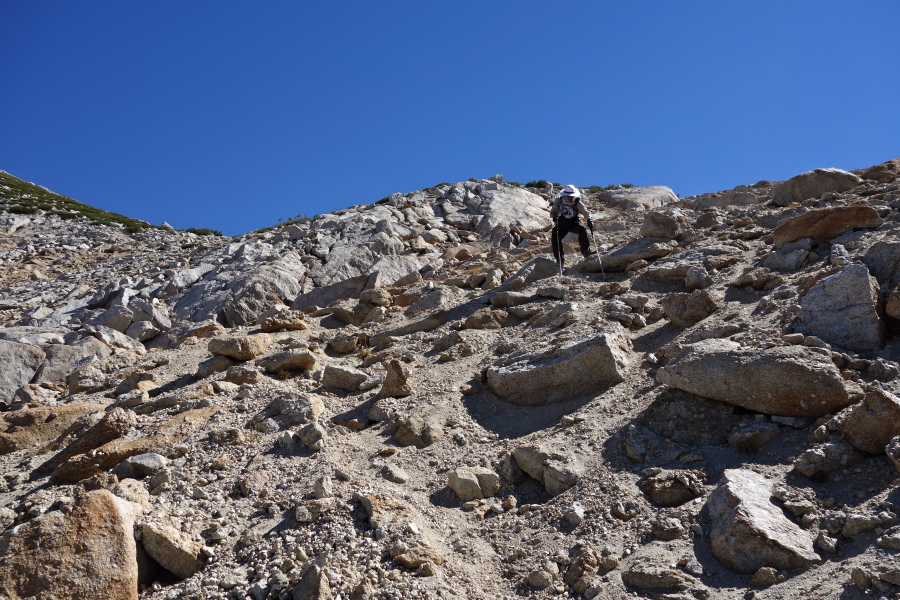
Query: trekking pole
x=597 y=248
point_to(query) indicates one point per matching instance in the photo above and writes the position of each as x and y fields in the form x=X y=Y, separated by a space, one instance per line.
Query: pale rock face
x=648 y=248
x=473 y=483
x=844 y=310
x=640 y=198
x=750 y=532
x=513 y=207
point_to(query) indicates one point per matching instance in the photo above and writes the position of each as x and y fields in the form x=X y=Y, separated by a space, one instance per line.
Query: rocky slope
x=406 y=399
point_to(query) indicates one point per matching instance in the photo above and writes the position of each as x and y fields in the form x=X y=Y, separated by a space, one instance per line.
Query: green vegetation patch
x=596 y=188
x=540 y=183
x=203 y=231
x=24 y=198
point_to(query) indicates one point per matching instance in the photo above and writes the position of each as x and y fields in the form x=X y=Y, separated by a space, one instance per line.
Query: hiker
x=564 y=213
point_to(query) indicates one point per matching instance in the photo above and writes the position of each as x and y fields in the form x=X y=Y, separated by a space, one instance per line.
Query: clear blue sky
x=231 y=115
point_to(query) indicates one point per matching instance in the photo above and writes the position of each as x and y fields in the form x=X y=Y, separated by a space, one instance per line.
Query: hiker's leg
x=556 y=243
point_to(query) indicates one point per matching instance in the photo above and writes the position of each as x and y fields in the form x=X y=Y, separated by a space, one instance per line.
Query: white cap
x=570 y=190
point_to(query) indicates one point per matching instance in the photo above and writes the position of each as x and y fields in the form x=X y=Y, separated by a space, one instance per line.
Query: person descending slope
x=565 y=214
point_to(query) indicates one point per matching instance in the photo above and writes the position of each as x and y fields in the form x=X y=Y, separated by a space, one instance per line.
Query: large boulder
x=585 y=366
x=86 y=552
x=739 y=196
x=871 y=424
x=663 y=223
x=473 y=483
x=249 y=281
x=640 y=198
x=821 y=224
x=791 y=381
x=749 y=532
x=20 y=363
x=112 y=426
x=813 y=184
x=844 y=309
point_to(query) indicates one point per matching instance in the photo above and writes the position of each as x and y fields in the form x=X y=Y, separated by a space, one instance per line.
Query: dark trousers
x=562 y=228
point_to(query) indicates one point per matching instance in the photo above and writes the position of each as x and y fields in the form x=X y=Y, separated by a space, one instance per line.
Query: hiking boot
x=588 y=253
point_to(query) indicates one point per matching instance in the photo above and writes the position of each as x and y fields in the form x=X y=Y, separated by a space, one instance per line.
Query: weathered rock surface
x=473 y=483
x=874 y=422
x=556 y=471
x=761 y=380
x=813 y=184
x=822 y=224
x=174 y=550
x=20 y=363
x=584 y=366
x=86 y=552
x=749 y=531
x=686 y=310
x=245 y=347
x=396 y=381
x=420 y=428
x=113 y=425
x=844 y=310
x=32 y=426
x=648 y=248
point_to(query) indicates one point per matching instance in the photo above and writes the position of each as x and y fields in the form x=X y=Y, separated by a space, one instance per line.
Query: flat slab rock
x=790 y=381
x=749 y=532
x=584 y=366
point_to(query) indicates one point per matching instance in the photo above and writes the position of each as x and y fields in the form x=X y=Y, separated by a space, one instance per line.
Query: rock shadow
x=510 y=421
x=654 y=337
x=679 y=430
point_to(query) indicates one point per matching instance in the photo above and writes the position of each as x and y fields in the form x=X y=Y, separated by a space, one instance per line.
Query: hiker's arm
x=583 y=210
